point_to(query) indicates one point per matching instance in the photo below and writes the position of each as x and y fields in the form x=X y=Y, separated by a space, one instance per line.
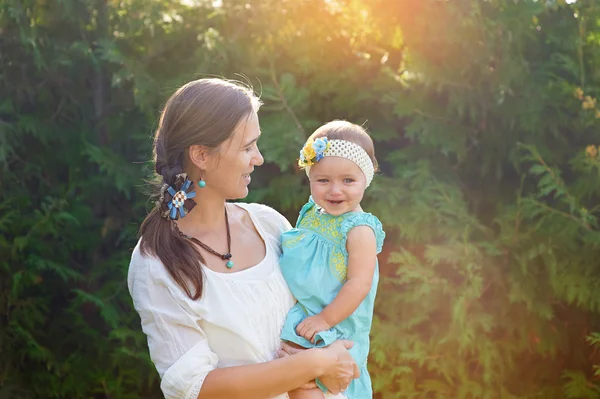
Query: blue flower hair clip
x=176 y=200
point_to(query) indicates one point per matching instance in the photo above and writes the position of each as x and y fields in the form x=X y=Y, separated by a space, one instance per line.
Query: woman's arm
x=187 y=366
x=282 y=375
x=362 y=260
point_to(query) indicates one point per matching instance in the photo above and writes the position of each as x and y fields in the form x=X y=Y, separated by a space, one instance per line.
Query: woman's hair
x=344 y=130
x=202 y=112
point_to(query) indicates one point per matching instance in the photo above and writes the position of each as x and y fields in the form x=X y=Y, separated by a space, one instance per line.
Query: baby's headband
x=314 y=151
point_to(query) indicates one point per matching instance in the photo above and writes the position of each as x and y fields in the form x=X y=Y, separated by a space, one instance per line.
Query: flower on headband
x=309 y=151
x=302 y=159
x=313 y=151
x=320 y=145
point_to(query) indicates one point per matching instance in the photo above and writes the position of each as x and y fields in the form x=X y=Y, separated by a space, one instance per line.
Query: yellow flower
x=579 y=93
x=304 y=164
x=309 y=151
x=591 y=151
x=597 y=114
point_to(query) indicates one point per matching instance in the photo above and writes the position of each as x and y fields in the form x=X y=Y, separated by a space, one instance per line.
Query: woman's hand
x=339 y=368
x=288 y=350
x=342 y=368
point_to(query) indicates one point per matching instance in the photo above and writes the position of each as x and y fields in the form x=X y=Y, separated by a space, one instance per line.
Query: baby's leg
x=314 y=393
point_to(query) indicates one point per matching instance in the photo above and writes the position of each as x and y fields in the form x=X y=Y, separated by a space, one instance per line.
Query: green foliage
x=68 y=194
x=486 y=126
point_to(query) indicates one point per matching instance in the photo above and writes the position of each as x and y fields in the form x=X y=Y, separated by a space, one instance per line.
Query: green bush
x=486 y=125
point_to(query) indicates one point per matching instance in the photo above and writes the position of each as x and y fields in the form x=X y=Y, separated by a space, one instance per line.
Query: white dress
x=237 y=321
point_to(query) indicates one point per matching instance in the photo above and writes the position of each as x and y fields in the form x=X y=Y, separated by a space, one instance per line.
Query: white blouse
x=237 y=321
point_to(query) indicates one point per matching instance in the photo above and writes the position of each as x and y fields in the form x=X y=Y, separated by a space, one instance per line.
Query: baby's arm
x=362 y=260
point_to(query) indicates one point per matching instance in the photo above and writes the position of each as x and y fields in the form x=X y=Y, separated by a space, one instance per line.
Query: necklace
x=226 y=256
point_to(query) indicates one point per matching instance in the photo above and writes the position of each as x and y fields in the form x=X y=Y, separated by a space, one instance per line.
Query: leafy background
x=486 y=125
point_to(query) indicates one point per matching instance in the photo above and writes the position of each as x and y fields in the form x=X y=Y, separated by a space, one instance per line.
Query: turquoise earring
x=201 y=183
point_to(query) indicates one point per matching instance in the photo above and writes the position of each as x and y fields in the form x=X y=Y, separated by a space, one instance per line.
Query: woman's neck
x=207 y=216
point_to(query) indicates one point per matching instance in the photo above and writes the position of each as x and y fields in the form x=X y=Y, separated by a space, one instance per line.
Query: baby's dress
x=314 y=264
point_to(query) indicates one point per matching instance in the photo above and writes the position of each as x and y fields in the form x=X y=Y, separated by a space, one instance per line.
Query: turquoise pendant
x=229 y=264
x=201 y=183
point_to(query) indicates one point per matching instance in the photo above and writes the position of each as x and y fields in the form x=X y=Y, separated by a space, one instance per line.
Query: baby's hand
x=312 y=325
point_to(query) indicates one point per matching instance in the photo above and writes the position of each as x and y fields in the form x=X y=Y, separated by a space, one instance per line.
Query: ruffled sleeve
x=178 y=346
x=363 y=219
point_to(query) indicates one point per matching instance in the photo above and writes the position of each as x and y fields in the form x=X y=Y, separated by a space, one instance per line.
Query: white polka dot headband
x=314 y=151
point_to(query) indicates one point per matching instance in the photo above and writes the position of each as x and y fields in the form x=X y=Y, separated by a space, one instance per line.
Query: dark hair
x=202 y=112
x=344 y=130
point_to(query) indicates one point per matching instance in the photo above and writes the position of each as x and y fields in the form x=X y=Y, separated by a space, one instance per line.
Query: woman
x=204 y=276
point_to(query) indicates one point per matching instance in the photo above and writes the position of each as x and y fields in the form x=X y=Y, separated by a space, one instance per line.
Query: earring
x=201 y=183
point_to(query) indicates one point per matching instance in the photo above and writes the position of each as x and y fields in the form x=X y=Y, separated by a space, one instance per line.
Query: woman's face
x=227 y=169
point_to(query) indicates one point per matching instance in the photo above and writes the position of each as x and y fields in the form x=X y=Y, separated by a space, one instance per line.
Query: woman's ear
x=199 y=155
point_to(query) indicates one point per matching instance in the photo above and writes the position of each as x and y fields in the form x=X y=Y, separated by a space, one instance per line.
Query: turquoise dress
x=314 y=264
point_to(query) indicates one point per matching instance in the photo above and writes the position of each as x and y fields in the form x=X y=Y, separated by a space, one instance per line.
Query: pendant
x=229 y=264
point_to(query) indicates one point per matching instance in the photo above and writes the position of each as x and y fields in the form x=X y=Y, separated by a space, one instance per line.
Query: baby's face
x=337 y=185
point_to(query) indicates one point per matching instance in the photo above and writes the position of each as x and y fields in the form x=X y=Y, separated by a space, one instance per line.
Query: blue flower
x=179 y=200
x=319 y=156
x=320 y=145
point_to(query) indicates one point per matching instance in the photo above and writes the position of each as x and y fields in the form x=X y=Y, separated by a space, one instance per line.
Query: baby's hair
x=344 y=130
